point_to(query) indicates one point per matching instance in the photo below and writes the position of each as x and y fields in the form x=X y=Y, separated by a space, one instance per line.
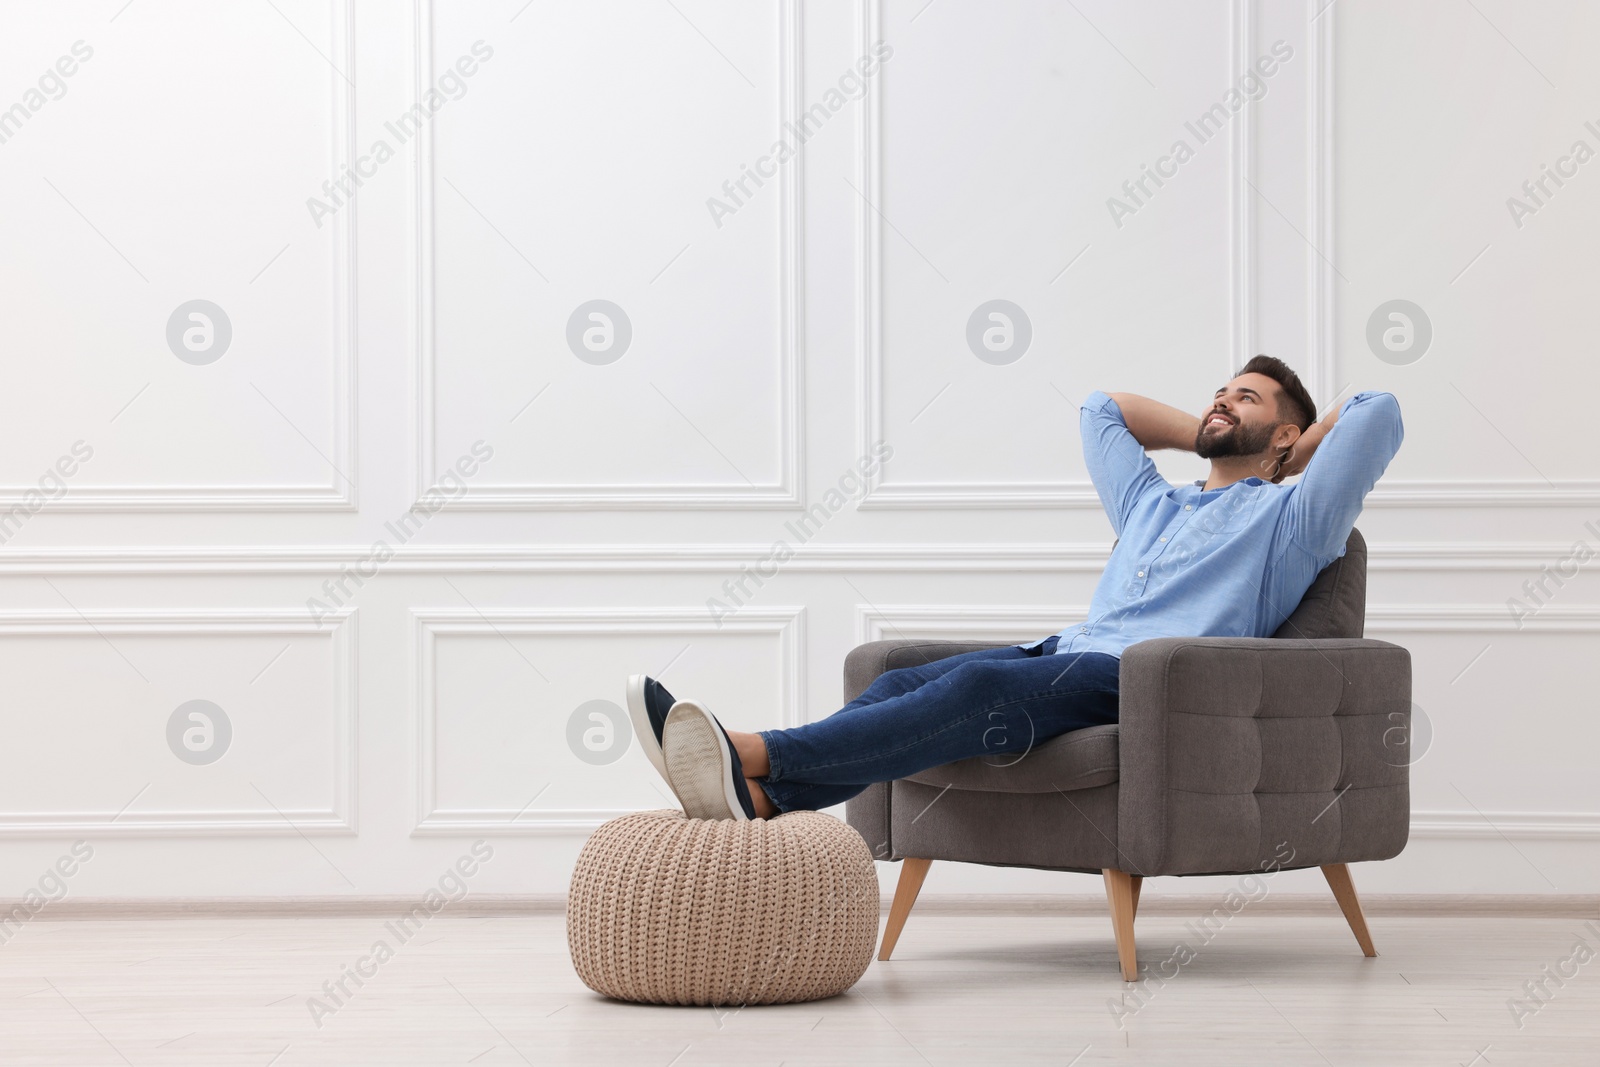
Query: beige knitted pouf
x=665 y=909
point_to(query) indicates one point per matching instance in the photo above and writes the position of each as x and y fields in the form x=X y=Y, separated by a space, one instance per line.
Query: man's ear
x=1282 y=444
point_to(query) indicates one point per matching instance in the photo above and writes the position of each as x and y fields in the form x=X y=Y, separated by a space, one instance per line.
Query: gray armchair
x=1231 y=756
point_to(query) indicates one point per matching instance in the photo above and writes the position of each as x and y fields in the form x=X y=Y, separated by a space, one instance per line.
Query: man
x=1228 y=556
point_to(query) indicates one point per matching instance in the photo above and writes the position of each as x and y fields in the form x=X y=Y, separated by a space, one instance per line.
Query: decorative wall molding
x=1003 y=622
x=1322 y=335
x=339 y=494
x=1500 y=825
x=790 y=418
x=786 y=624
x=337 y=819
x=1241 y=202
x=876 y=622
x=1501 y=493
x=1087 y=557
x=1480 y=618
x=963 y=622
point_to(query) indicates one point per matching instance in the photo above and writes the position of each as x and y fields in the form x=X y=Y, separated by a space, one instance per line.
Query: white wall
x=376 y=345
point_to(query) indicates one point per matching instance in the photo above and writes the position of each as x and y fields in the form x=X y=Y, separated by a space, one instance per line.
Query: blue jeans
x=992 y=702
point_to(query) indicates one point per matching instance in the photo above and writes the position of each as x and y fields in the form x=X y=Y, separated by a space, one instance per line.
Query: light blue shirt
x=1228 y=562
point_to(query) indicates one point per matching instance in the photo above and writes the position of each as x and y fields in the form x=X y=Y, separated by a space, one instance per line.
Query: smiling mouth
x=1218 y=420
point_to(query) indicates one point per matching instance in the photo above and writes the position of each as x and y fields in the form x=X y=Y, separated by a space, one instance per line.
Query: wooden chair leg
x=1121 y=892
x=1137 y=882
x=912 y=872
x=1344 y=891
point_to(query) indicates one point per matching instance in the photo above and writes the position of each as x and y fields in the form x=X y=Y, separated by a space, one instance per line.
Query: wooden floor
x=961 y=989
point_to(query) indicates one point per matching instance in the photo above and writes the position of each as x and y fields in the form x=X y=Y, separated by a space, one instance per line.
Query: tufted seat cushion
x=1081 y=759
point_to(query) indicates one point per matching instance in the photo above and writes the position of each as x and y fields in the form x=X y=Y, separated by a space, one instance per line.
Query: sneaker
x=702 y=766
x=648 y=704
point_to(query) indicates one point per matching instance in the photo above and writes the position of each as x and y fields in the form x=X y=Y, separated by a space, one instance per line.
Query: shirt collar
x=1200 y=484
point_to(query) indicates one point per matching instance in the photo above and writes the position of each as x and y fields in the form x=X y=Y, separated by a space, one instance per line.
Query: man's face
x=1240 y=420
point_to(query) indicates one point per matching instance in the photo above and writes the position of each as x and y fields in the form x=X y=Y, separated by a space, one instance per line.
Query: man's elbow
x=1389 y=407
x=1099 y=401
x=1380 y=414
x=1387 y=403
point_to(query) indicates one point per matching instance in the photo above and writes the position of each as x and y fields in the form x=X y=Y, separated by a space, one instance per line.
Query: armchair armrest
x=1240 y=754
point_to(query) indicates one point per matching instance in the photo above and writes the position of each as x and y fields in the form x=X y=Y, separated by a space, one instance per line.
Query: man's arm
x=1121 y=472
x=1156 y=425
x=1341 y=467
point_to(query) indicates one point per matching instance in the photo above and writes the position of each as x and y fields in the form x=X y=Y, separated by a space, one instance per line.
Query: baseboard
x=1523 y=906
x=477 y=905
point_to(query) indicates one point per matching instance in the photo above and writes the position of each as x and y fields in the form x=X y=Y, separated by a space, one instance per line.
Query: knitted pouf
x=665 y=909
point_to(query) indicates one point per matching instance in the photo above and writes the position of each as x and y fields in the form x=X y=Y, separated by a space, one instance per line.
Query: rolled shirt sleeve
x=1119 y=467
x=1346 y=465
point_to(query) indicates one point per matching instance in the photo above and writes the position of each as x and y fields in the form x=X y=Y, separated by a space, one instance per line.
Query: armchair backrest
x=1336 y=603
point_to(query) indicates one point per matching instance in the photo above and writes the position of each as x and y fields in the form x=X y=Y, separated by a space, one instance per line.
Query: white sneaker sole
x=699 y=767
x=639 y=713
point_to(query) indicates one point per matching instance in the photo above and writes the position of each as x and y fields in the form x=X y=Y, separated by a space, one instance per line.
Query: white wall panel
x=1441 y=113
x=580 y=172
x=768 y=354
x=1496 y=692
x=91 y=751
x=498 y=694
x=161 y=175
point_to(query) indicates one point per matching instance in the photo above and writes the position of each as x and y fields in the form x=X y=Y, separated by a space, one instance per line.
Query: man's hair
x=1294 y=403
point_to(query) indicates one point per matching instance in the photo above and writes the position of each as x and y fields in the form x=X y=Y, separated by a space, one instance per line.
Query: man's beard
x=1241 y=440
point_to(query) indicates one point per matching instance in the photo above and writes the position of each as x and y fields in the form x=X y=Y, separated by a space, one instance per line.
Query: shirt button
x=1163 y=539
x=1141 y=574
x=1188 y=507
